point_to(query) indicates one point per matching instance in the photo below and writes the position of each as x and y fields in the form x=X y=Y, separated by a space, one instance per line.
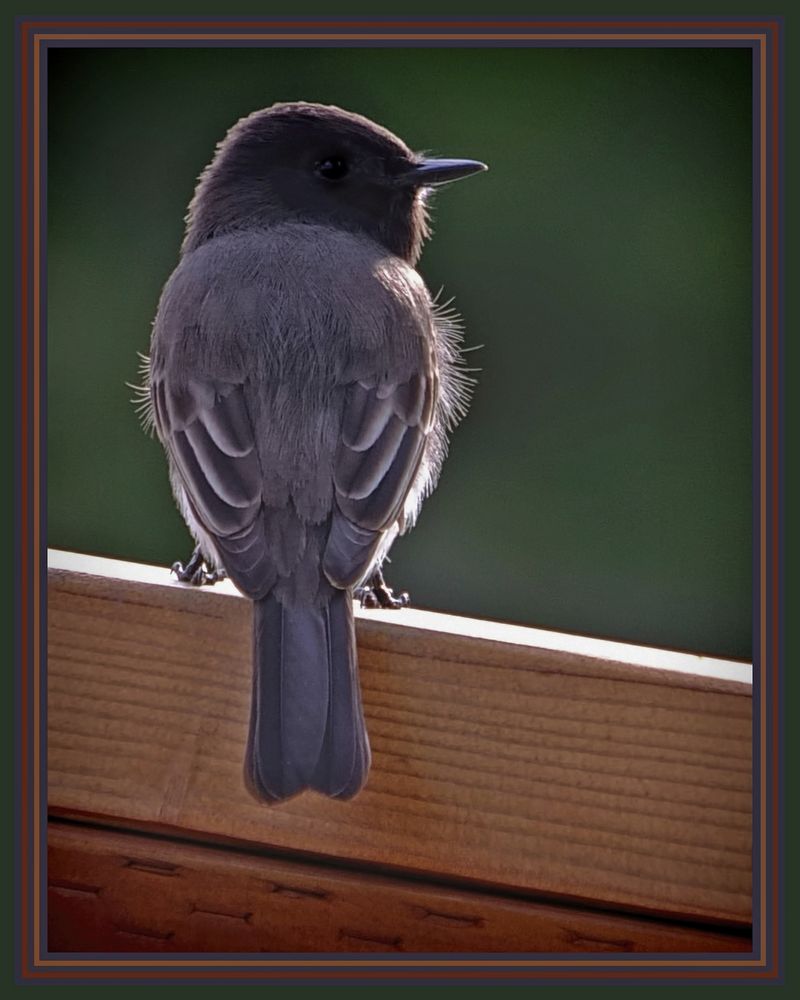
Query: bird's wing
x=383 y=370
x=207 y=430
x=384 y=430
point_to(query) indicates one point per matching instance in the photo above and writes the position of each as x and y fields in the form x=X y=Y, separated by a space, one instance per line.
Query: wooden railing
x=530 y=791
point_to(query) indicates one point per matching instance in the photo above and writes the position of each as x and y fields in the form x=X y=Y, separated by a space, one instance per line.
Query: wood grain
x=110 y=891
x=575 y=771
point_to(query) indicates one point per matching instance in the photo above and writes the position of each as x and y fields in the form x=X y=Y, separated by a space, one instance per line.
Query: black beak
x=428 y=173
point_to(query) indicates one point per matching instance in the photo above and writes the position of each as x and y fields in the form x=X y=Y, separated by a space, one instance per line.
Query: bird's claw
x=378 y=594
x=196 y=571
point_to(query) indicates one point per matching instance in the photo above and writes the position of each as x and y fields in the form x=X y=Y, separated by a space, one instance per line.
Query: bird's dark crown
x=315 y=164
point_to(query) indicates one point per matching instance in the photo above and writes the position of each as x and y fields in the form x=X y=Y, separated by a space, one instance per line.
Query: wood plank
x=552 y=764
x=110 y=891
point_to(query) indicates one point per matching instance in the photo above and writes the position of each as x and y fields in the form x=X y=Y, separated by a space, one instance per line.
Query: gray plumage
x=302 y=384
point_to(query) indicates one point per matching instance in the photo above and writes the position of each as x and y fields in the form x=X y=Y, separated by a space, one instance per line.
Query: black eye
x=334 y=168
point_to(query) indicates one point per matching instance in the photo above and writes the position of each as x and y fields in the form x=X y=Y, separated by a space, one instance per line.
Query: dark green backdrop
x=601 y=483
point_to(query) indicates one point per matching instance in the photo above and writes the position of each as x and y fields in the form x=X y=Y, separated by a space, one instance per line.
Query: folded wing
x=207 y=428
x=384 y=429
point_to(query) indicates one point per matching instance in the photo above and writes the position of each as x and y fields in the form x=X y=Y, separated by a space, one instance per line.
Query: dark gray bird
x=302 y=382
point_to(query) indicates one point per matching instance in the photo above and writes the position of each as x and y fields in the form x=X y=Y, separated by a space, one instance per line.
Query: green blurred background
x=601 y=483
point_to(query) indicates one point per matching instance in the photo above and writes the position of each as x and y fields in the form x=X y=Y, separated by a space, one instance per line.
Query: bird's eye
x=334 y=168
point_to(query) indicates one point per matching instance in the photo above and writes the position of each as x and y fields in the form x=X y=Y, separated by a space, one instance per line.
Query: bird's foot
x=196 y=571
x=377 y=594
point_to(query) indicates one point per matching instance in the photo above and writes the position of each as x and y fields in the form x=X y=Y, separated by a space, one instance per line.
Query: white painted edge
x=433 y=621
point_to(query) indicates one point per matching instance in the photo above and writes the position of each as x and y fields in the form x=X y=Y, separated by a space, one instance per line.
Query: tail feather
x=344 y=761
x=306 y=723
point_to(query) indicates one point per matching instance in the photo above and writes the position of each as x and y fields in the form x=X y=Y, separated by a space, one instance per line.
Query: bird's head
x=317 y=164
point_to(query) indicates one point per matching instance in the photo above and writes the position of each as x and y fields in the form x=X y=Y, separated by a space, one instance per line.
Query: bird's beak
x=428 y=173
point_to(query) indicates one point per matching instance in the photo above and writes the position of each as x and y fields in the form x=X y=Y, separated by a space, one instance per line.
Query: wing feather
x=384 y=430
x=207 y=429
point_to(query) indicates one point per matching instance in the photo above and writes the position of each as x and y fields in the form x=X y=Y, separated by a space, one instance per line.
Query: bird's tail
x=306 y=723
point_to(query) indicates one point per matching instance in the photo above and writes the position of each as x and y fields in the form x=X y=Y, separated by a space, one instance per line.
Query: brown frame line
x=31 y=36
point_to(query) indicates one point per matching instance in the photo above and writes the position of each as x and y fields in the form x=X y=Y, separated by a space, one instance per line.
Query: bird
x=303 y=383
